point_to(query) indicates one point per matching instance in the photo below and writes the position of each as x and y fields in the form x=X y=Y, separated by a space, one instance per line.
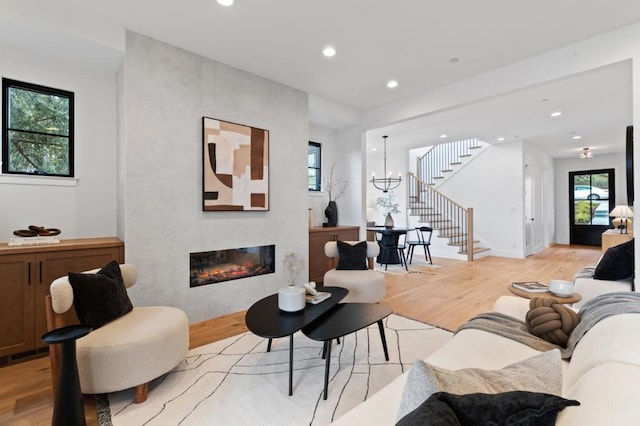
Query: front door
x=591 y=198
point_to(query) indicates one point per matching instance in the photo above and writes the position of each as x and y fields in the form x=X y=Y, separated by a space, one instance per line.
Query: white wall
x=318 y=200
x=168 y=91
x=541 y=167
x=86 y=208
x=341 y=148
x=566 y=165
x=492 y=184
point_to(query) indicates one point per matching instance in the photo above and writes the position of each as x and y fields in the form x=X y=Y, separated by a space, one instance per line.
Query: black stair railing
x=444 y=215
x=441 y=159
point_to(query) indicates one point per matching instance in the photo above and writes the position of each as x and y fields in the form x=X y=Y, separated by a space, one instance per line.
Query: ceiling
x=411 y=41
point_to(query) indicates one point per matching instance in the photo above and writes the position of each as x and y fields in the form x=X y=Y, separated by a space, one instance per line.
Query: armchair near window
x=126 y=352
x=365 y=285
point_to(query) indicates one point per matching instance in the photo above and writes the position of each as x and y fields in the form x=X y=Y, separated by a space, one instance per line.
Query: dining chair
x=423 y=238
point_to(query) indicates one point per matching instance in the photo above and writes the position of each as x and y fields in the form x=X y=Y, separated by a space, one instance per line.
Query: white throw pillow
x=540 y=373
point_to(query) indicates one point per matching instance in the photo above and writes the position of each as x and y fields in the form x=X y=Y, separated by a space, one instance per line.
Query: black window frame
x=318 y=185
x=8 y=84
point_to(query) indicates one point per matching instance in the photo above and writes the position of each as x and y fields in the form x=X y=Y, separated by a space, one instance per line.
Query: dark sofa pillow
x=617 y=263
x=479 y=409
x=101 y=297
x=352 y=257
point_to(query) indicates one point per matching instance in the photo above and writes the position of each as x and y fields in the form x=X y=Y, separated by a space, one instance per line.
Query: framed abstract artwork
x=235 y=167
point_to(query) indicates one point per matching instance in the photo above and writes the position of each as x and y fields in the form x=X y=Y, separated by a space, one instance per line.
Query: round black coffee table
x=68 y=409
x=265 y=319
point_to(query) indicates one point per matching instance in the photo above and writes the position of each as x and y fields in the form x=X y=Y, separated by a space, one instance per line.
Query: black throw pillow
x=616 y=263
x=101 y=297
x=352 y=257
x=479 y=409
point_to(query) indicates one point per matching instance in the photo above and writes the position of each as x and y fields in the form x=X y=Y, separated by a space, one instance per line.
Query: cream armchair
x=127 y=352
x=365 y=286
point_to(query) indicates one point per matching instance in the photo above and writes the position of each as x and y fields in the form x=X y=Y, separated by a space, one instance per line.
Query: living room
x=139 y=108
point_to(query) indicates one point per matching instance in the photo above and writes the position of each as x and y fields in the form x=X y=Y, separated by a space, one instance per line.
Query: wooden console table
x=613 y=237
x=27 y=272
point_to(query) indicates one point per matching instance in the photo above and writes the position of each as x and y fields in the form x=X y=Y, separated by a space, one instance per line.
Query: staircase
x=448 y=219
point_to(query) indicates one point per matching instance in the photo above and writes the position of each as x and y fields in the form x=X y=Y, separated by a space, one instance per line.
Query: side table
x=575 y=297
x=264 y=319
x=68 y=409
x=344 y=319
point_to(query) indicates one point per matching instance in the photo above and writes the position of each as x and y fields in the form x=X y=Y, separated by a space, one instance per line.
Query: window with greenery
x=314 y=167
x=37 y=129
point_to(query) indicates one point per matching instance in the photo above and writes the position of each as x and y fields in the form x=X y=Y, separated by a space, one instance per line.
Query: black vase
x=331 y=212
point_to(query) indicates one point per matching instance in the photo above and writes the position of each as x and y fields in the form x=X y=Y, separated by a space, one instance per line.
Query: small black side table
x=68 y=409
x=264 y=319
x=343 y=319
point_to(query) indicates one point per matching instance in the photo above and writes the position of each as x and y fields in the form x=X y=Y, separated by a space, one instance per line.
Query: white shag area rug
x=236 y=382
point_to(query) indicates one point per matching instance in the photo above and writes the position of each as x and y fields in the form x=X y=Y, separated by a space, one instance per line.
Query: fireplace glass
x=216 y=266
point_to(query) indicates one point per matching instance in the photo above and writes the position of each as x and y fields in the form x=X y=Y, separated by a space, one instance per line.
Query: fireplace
x=216 y=266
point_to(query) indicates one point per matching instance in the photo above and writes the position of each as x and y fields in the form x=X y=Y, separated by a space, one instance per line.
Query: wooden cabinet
x=318 y=262
x=613 y=237
x=25 y=275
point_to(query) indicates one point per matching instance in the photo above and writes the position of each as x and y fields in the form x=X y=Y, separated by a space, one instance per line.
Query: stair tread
x=476 y=250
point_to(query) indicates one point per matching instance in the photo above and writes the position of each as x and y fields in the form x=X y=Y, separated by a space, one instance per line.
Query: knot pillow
x=551 y=320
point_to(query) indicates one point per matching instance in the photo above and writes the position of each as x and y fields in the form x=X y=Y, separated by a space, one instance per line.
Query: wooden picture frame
x=235 y=166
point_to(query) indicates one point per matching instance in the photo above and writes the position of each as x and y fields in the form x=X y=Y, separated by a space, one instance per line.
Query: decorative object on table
x=292 y=298
x=293 y=264
x=561 y=288
x=235 y=167
x=34 y=235
x=387 y=182
x=621 y=215
x=314 y=296
x=531 y=286
x=550 y=320
x=35 y=231
x=389 y=206
x=335 y=188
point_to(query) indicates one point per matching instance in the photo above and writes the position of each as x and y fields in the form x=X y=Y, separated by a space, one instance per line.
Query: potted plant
x=388 y=204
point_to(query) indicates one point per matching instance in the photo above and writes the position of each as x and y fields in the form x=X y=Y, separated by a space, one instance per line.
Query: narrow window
x=37 y=129
x=315 y=166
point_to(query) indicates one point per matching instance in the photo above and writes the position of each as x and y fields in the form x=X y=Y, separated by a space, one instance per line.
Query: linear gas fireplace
x=216 y=266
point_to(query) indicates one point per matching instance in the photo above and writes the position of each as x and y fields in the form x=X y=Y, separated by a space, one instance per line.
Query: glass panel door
x=591 y=198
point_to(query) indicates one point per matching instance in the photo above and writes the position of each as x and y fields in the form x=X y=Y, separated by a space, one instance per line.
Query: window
x=37 y=129
x=314 y=166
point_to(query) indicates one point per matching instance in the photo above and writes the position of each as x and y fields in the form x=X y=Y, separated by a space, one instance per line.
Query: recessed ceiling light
x=576 y=137
x=500 y=139
x=329 y=51
x=544 y=100
x=453 y=60
x=225 y=2
x=556 y=114
x=392 y=84
x=443 y=136
x=374 y=149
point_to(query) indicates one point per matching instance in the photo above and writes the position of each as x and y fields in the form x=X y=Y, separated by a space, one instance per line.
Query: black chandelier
x=385 y=183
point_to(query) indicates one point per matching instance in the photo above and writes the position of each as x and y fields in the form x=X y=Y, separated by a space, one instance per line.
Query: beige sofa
x=603 y=373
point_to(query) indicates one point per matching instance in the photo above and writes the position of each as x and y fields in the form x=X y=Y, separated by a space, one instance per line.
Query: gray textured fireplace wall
x=163 y=94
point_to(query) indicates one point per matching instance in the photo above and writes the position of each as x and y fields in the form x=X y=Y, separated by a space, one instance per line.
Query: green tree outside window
x=37 y=129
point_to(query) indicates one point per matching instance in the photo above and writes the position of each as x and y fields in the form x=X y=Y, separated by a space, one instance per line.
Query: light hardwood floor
x=447 y=297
